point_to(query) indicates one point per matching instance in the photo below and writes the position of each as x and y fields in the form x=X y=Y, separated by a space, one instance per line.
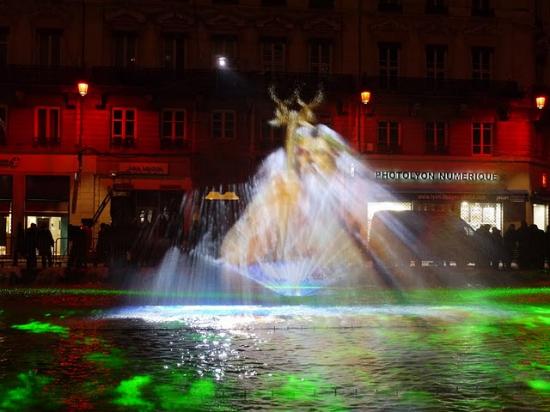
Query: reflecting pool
x=475 y=349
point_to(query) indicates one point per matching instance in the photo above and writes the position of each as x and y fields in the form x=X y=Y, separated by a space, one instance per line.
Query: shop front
x=6 y=190
x=479 y=197
x=47 y=204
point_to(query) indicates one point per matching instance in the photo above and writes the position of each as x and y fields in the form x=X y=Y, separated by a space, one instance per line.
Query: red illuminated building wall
x=453 y=86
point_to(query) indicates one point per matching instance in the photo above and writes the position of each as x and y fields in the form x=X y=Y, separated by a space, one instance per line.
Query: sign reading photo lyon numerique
x=436 y=176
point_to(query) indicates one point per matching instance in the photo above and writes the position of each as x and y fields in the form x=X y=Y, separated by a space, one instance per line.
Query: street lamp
x=365 y=96
x=222 y=62
x=82 y=88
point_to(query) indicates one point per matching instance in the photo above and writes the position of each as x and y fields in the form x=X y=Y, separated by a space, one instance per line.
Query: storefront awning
x=449 y=196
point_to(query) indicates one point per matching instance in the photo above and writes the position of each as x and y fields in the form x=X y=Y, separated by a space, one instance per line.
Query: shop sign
x=143 y=168
x=11 y=163
x=436 y=176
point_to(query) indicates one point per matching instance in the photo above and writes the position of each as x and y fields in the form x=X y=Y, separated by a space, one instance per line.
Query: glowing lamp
x=83 y=88
x=221 y=61
x=541 y=102
x=544 y=180
x=365 y=97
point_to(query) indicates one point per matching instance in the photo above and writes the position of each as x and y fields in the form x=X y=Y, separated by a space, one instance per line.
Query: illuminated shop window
x=123 y=127
x=477 y=214
x=540 y=216
x=49 y=47
x=46 y=125
x=223 y=124
x=320 y=56
x=124 y=49
x=273 y=55
x=173 y=51
x=388 y=137
x=173 y=127
x=436 y=137
x=482 y=138
x=388 y=64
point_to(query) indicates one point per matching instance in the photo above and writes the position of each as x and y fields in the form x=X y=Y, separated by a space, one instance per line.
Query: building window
x=123 y=127
x=173 y=51
x=273 y=55
x=3 y=125
x=482 y=64
x=321 y=4
x=436 y=62
x=272 y=137
x=223 y=124
x=4 y=33
x=482 y=8
x=388 y=137
x=274 y=3
x=320 y=56
x=226 y=46
x=436 y=7
x=436 y=137
x=390 y=6
x=46 y=125
x=173 y=128
x=124 y=49
x=482 y=138
x=388 y=62
x=49 y=47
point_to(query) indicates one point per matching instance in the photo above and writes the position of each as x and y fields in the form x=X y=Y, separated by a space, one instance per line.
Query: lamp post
x=365 y=99
x=82 y=88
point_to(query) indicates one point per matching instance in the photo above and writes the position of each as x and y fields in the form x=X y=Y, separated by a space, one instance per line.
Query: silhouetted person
x=45 y=244
x=18 y=244
x=103 y=246
x=86 y=229
x=31 y=238
x=484 y=244
x=497 y=249
x=510 y=245
x=524 y=252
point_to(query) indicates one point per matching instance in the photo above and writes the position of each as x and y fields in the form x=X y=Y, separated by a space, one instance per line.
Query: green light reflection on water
x=293 y=392
x=42 y=327
x=130 y=393
x=111 y=360
x=28 y=395
x=540 y=385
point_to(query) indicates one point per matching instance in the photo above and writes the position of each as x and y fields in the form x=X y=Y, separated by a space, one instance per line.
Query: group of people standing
x=32 y=240
x=526 y=245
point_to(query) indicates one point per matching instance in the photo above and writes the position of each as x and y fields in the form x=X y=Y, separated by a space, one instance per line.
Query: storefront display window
x=477 y=214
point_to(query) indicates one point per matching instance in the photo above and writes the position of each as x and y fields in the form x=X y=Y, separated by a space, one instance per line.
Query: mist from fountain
x=299 y=226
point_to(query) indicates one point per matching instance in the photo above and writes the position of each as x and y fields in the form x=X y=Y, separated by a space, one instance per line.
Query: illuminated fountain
x=304 y=225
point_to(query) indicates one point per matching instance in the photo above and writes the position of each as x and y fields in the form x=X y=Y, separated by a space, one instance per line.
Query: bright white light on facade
x=222 y=62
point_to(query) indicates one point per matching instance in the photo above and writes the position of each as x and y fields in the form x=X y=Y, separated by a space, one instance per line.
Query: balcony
x=63 y=75
x=461 y=88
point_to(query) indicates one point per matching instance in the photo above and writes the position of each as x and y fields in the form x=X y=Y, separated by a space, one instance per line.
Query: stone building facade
x=453 y=86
